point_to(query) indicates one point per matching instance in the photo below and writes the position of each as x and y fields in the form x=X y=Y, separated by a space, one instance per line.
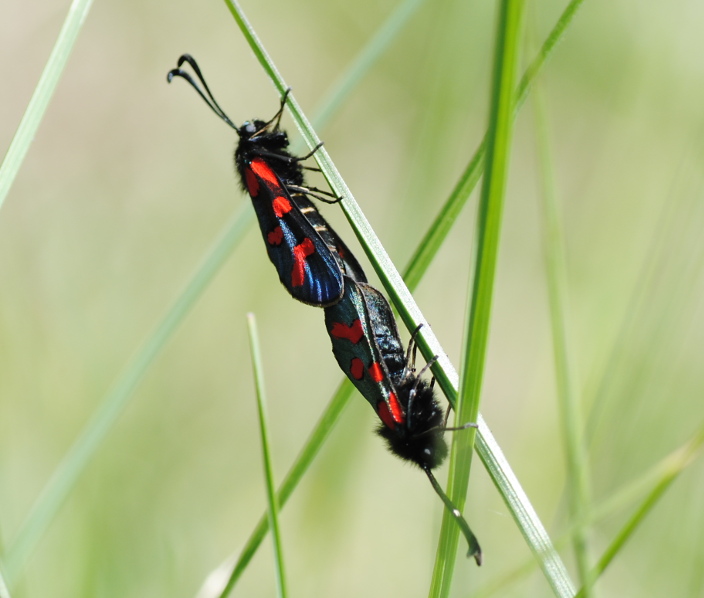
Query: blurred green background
x=129 y=182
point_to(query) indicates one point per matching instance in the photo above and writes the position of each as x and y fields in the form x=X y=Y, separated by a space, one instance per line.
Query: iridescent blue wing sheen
x=345 y=258
x=351 y=329
x=306 y=265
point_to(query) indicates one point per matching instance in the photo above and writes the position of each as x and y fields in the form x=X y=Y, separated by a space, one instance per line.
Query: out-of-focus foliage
x=130 y=180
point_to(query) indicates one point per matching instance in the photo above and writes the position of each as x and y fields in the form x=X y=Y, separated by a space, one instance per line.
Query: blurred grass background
x=129 y=181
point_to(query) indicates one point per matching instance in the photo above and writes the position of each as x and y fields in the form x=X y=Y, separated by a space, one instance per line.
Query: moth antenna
x=209 y=99
x=474 y=548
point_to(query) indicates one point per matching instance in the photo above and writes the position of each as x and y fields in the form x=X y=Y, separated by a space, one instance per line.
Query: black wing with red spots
x=306 y=266
x=309 y=256
x=355 y=347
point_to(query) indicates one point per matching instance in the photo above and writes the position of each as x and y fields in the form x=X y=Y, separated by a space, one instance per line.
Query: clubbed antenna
x=208 y=99
x=474 y=549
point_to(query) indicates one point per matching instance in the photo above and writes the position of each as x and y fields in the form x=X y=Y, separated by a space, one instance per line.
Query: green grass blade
x=648 y=483
x=310 y=449
x=523 y=513
x=672 y=465
x=42 y=95
x=499 y=135
x=65 y=476
x=513 y=494
x=545 y=51
x=439 y=229
x=568 y=402
x=74 y=462
x=58 y=488
x=361 y=65
x=272 y=503
x=677 y=463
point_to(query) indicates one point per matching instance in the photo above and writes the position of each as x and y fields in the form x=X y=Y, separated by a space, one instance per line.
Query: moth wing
x=305 y=264
x=351 y=331
x=385 y=331
x=345 y=258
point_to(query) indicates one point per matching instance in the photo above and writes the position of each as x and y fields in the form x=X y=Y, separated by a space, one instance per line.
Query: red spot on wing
x=252 y=182
x=357 y=368
x=375 y=372
x=281 y=206
x=396 y=410
x=390 y=413
x=275 y=236
x=300 y=253
x=264 y=171
x=353 y=333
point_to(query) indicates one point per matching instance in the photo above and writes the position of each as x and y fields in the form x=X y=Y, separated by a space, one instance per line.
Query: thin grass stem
x=441 y=226
x=571 y=420
x=272 y=502
x=648 y=484
x=499 y=134
x=515 y=497
x=677 y=465
x=64 y=478
x=365 y=59
x=42 y=95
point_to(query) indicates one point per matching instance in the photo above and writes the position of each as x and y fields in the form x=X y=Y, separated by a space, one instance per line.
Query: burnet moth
x=309 y=256
x=367 y=346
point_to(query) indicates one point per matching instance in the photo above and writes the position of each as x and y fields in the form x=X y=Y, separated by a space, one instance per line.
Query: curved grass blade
x=42 y=95
x=272 y=503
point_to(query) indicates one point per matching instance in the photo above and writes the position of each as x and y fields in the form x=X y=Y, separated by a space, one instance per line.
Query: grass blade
x=42 y=95
x=513 y=494
x=677 y=464
x=361 y=65
x=439 y=229
x=568 y=402
x=59 y=486
x=499 y=134
x=111 y=406
x=273 y=508
x=320 y=433
x=69 y=469
x=649 y=482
